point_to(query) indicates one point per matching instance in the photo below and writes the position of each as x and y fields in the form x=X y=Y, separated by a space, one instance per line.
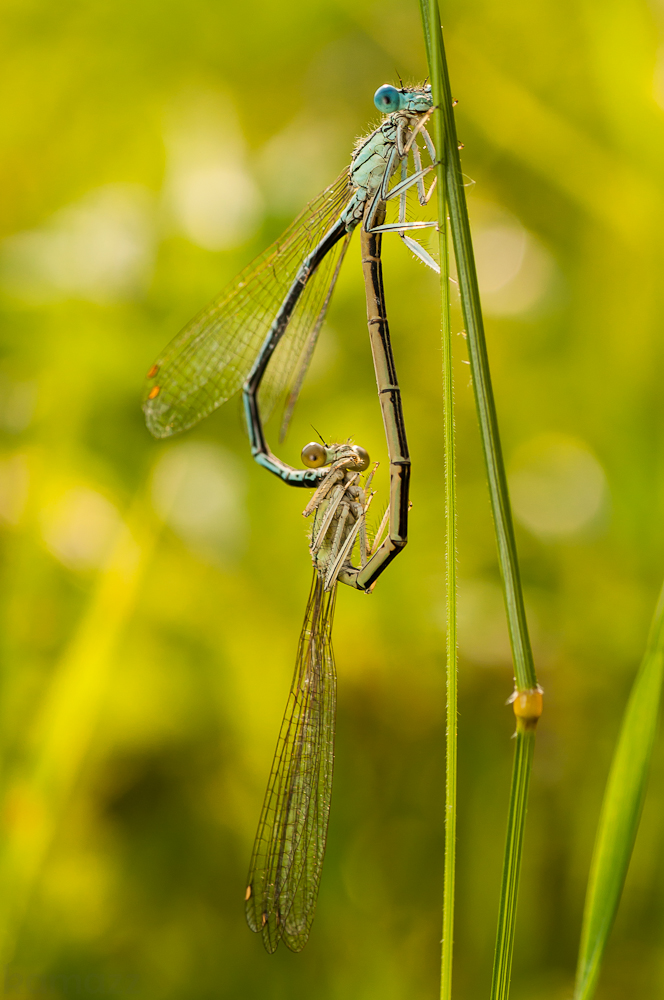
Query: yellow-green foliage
x=152 y=593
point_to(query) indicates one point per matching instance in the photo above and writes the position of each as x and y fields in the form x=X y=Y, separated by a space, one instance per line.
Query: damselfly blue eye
x=388 y=99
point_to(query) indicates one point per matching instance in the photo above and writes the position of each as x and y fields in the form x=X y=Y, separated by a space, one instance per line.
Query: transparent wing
x=288 y=852
x=211 y=357
x=290 y=361
x=300 y=368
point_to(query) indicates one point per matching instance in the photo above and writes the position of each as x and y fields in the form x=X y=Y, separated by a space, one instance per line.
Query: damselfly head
x=315 y=455
x=389 y=99
x=355 y=458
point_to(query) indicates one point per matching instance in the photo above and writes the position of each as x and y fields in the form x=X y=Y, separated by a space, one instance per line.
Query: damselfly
x=260 y=334
x=290 y=843
x=261 y=331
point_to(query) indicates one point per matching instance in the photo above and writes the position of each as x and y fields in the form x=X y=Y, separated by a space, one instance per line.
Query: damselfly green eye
x=363 y=458
x=313 y=455
x=388 y=99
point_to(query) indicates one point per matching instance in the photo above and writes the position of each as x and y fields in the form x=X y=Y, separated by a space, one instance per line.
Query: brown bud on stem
x=527 y=706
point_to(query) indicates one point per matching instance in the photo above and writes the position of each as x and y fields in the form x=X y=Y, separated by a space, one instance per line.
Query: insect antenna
x=319 y=435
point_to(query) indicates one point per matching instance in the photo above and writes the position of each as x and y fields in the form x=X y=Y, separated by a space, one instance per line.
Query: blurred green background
x=152 y=593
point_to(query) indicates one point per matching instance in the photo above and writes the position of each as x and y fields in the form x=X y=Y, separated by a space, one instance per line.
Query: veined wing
x=290 y=843
x=211 y=357
x=307 y=344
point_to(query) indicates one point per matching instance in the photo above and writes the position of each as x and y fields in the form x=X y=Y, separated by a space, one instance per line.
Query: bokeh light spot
x=210 y=197
x=558 y=487
x=80 y=528
x=514 y=271
x=101 y=249
x=482 y=628
x=14 y=480
x=197 y=489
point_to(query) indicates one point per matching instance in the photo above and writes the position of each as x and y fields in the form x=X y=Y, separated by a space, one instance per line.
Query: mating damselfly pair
x=259 y=335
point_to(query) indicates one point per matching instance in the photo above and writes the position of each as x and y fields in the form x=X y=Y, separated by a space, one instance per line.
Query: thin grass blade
x=621 y=809
x=509 y=892
x=449 y=864
x=37 y=790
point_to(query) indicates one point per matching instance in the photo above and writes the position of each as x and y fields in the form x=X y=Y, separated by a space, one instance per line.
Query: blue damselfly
x=260 y=335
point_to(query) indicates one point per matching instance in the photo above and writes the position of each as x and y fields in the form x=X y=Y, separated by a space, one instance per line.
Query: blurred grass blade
x=37 y=793
x=449 y=865
x=621 y=809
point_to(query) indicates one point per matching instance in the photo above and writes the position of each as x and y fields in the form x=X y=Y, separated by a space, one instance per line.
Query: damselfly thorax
x=339 y=507
x=377 y=157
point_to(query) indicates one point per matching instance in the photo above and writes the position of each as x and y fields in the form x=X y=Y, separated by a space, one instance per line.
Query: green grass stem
x=452 y=195
x=438 y=128
x=509 y=890
x=621 y=809
x=451 y=619
x=524 y=669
